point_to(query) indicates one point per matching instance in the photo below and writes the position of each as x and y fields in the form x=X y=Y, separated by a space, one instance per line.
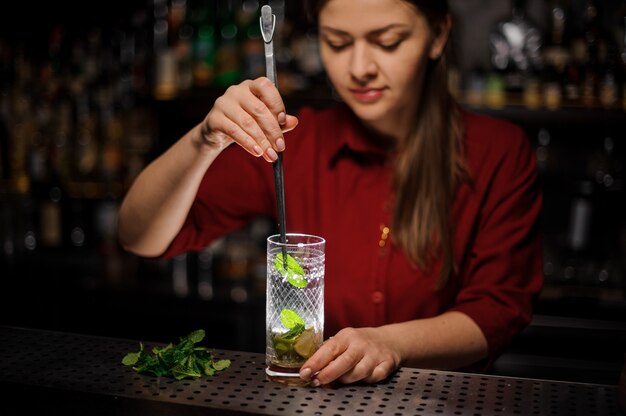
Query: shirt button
x=378 y=297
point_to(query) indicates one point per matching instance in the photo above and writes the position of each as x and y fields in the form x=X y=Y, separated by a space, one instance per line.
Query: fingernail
x=257 y=150
x=280 y=145
x=305 y=373
x=315 y=382
x=271 y=154
x=282 y=118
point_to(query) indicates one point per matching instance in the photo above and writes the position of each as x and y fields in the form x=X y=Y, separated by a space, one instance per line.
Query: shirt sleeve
x=234 y=191
x=504 y=268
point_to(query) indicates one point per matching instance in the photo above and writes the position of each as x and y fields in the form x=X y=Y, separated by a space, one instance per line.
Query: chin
x=370 y=113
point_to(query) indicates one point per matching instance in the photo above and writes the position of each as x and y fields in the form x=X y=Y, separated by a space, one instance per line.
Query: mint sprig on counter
x=293 y=272
x=184 y=360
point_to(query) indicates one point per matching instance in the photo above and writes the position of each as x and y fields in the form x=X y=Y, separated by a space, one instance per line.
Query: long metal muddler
x=268 y=24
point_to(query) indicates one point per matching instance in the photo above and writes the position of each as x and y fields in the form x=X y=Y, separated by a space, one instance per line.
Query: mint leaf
x=284 y=343
x=196 y=336
x=293 y=332
x=132 y=357
x=185 y=360
x=293 y=273
x=221 y=365
x=290 y=319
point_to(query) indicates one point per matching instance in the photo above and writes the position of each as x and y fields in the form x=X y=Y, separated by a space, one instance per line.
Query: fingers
x=352 y=366
x=330 y=349
x=290 y=123
x=349 y=357
x=253 y=115
x=264 y=115
x=233 y=130
x=267 y=92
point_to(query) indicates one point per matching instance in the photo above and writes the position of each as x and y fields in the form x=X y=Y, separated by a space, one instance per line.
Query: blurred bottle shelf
x=84 y=108
x=565 y=116
x=186 y=109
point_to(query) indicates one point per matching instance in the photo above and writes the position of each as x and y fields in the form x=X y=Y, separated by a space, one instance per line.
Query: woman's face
x=375 y=53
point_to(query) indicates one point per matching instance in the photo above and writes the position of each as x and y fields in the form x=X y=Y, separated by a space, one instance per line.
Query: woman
x=429 y=212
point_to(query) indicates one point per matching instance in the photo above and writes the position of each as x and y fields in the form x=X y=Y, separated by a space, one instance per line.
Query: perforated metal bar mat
x=79 y=364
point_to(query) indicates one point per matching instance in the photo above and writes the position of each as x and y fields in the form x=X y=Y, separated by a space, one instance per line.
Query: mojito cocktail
x=295 y=303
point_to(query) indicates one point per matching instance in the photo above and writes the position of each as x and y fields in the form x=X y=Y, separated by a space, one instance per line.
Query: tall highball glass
x=294 y=304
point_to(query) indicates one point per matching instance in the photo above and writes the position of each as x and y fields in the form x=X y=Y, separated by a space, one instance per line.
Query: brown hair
x=430 y=163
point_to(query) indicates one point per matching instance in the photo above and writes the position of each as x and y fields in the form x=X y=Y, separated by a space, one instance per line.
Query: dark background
x=579 y=333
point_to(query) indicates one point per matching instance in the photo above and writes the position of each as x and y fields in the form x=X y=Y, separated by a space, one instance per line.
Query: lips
x=367 y=95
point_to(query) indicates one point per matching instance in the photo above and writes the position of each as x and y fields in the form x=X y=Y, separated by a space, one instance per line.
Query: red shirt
x=338 y=186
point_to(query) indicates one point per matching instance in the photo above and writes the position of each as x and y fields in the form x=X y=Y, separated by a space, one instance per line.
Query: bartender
x=430 y=212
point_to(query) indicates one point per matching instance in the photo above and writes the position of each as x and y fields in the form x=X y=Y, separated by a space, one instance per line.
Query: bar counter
x=56 y=373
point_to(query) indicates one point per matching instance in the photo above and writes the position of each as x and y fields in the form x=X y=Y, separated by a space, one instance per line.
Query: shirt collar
x=353 y=138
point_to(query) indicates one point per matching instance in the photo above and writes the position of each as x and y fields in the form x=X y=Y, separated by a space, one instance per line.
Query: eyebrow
x=374 y=32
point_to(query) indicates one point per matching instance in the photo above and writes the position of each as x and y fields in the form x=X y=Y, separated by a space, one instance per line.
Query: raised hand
x=251 y=114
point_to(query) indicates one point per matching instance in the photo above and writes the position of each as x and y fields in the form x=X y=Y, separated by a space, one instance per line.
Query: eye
x=337 y=46
x=336 y=43
x=390 y=41
x=390 y=46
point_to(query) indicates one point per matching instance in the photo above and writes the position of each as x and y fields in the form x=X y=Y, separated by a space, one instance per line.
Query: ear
x=440 y=39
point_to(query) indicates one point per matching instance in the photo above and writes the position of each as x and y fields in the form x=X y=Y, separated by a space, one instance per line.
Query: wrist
x=394 y=336
x=205 y=144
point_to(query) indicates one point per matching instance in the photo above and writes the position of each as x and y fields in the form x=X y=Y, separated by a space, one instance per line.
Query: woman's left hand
x=352 y=355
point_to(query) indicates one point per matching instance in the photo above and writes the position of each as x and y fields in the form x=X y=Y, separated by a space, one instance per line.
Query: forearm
x=157 y=203
x=448 y=341
x=252 y=114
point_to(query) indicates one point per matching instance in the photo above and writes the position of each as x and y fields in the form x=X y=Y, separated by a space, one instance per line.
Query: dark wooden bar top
x=56 y=373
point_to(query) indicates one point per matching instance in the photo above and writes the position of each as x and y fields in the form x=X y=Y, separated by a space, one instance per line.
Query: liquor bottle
x=206 y=269
x=202 y=18
x=77 y=231
x=166 y=68
x=183 y=45
x=595 y=54
x=124 y=76
x=542 y=151
x=45 y=185
x=176 y=18
x=142 y=48
x=604 y=166
x=112 y=132
x=105 y=215
x=556 y=56
x=251 y=41
x=576 y=67
x=51 y=214
x=235 y=265
x=227 y=55
x=259 y=229
x=577 y=262
x=180 y=282
x=86 y=148
x=515 y=45
x=63 y=130
x=608 y=89
x=138 y=142
x=93 y=63
x=21 y=129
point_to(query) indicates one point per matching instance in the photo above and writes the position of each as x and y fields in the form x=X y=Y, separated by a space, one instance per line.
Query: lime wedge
x=306 y=344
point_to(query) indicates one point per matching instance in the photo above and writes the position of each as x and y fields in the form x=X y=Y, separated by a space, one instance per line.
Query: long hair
x=430 y=162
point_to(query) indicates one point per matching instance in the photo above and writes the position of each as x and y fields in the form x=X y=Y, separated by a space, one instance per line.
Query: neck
x=393 y=129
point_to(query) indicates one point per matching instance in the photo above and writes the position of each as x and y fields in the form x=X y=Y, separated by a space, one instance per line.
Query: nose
x=362 y=65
